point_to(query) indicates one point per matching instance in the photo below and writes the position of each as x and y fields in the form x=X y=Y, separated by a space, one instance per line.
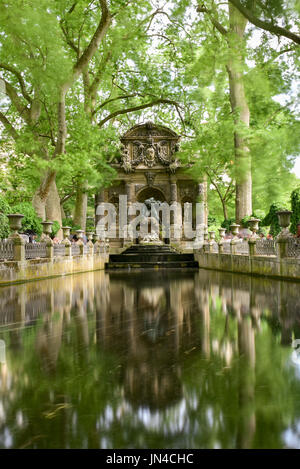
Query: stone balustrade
x=278 y=257
x=21 y=261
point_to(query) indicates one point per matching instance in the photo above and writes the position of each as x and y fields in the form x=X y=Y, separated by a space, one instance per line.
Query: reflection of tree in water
x=176 y=362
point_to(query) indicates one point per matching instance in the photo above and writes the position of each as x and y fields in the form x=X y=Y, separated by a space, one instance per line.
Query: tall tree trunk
x=53 y=210
x=80 y=210
x=224 y=209
x=239 y=105
x=40 y=197
x=63 y=215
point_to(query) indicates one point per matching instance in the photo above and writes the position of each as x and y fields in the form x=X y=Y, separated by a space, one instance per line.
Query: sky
x=296 y=169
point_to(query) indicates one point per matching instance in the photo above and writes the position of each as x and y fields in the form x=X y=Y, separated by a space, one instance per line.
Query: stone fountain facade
x=149 y=168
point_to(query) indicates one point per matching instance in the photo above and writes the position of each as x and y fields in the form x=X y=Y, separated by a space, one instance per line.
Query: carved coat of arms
x=149 y=151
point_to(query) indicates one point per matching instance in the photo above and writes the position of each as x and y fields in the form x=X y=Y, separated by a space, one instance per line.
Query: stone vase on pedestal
x=47 y=229
x=235 y=231
x=284 y=218
x=253 y=225
x=15 y=224
x=66 y=241
x=282 y=240
x=222 y=232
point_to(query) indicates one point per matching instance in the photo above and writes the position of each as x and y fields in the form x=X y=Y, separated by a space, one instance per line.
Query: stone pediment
x=150 y=130
x=148 y=146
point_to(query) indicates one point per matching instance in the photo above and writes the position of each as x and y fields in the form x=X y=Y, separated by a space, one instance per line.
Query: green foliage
x=145 y=56
x=271 y=219
x=70 y=222
x=226 y=223
x=258 y=214
x=4 y=210
x=30 y=220
x=295 y=206
x=215 y=228
x=211 y=220
x=55 y=227
x=90 y=226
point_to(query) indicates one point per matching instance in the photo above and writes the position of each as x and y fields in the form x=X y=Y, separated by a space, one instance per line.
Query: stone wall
x=34 y=269
x=276 y=267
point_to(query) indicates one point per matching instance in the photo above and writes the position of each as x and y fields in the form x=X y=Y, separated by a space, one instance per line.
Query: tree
x=265 y=130
x=234 y=36
x=277 y=7
x=69 y=46
x=295 y=207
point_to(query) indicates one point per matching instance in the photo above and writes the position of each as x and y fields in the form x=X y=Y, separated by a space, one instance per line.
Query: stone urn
x=253 y=225
x=66 y=235
x=284 y=218
x=89 y=235
x=66 y=231
x=15 y=222
x=222 y=232
x=79 y=235
x=47 y=228
x=234 y=230
x=212 y=236
x=206 y=235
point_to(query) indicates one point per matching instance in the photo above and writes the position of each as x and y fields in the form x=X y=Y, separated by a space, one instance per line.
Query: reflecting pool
x=150 y=360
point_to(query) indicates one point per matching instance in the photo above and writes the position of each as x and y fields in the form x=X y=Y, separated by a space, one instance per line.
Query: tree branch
x=66 y=197
x=22 y=109
x=136 y=108
x=110 y=100
x=266 y=25
x=78 y=69
x=99 y=74
x=8 y=126
x=11 y=69
x=95 y=41
x=217 y=24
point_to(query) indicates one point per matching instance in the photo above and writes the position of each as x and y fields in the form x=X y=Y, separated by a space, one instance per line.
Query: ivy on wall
x=295 y=204
x=271 y=219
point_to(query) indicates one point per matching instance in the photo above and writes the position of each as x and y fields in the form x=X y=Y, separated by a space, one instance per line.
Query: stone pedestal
x=252 y=246
x=19 y=247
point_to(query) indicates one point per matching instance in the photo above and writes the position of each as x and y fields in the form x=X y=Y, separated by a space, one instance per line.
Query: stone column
x=212 y=241
x=129 y=188
x=47 y=228
x=66 y=241
x=202 y=198
x=221 y=242
x=205 y=240
x=201 y=213
x=284 y=236
x=173 y=216
x=99 y=198
x=15 y=221
x=130 y=192
x=96 y=239
x=80 y=241
x=235 y=231
x=90 y=244
x=252 y=246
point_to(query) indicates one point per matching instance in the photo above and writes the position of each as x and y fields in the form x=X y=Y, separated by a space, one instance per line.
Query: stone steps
x=151 y=257
x=155 y=257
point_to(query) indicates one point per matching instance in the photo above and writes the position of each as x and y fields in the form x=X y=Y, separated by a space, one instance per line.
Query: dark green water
x=150 y=361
